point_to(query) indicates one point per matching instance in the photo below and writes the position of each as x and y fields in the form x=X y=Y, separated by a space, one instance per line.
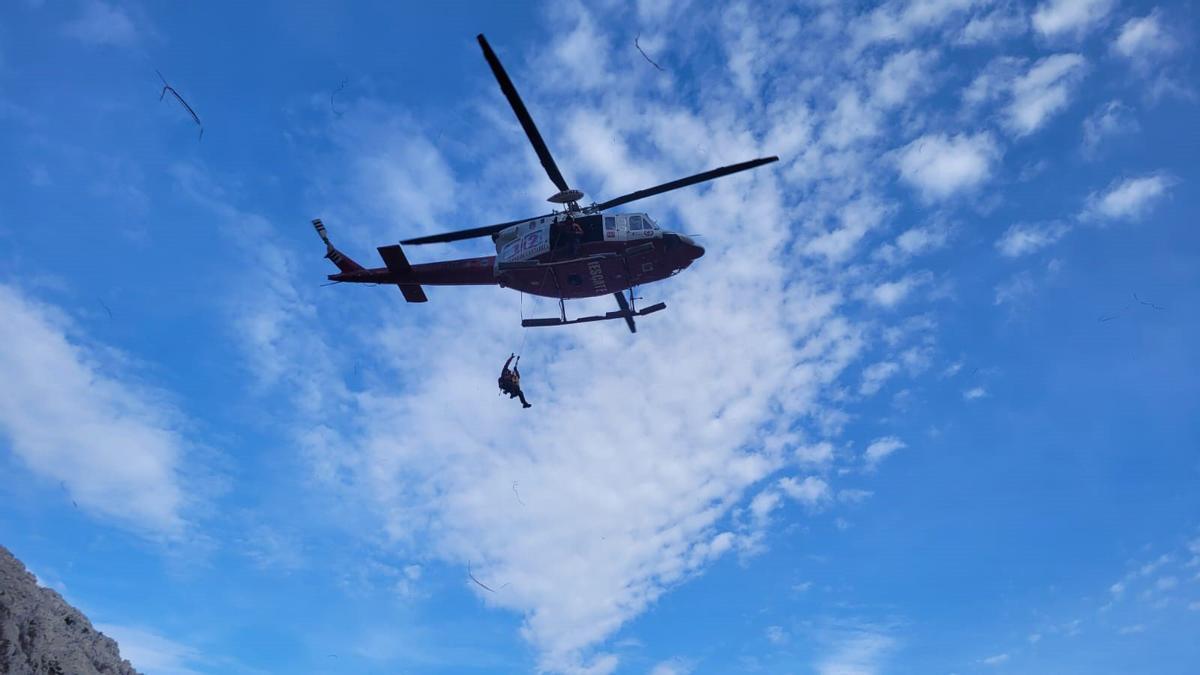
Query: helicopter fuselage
x=562 y=256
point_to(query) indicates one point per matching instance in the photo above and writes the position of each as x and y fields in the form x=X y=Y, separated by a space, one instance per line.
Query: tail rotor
x=343 y=262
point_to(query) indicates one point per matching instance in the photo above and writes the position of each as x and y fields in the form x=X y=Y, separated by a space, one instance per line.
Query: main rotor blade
x=518 y=106
x=684 y=182
x=458 y=235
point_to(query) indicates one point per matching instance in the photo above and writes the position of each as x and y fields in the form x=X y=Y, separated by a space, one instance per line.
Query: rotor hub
x=566 y=196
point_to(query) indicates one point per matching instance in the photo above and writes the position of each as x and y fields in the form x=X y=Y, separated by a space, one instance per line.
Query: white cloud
x=811 y=491
x=1015 y=290
x=1143 y=40
x=903 y=75
x=776 y=635
x=1045 y=89
x=73 y=415
x=1132 y=630
x=901 y=20
x=1002 y=23
x=854 y=119
x=1128 y=199
x=672 y=667
x=916 y=359
x=852 y=496
x=1151 y=567
x=880 y=448
x=889 y=294
x=974 y=393
x=1069 y=18
x=1111 y=119
x=995 y=660
x=918 y=240
x=854 y=650
x=855 y=220
x=1025 y=238
x=102 y=24
x=940 y=166
x=151 y=653
x=913 y=242
x=875 y=375
x=994 y=80
x=1194 y=547
x=816 y=454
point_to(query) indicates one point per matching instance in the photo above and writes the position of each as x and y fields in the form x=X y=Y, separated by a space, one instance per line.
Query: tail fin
x=343 y=262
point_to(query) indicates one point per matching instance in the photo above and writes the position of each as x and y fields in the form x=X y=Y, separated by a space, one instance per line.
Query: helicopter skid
x=608 y=316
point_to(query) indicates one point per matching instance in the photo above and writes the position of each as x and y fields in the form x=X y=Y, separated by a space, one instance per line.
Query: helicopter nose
x=694 y=250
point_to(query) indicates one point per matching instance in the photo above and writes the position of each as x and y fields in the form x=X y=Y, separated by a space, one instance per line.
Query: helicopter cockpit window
x=635 y=222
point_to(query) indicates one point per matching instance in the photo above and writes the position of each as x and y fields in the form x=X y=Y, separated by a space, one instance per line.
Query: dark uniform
x=568 y=237
x=510 y=381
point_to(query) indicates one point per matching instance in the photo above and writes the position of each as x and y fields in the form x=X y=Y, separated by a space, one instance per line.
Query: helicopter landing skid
x=626 y=312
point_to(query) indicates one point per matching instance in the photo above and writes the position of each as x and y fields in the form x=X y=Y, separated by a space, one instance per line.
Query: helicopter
x=575 y=252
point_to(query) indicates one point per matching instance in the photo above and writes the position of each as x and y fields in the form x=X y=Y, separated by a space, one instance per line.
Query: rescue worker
x=569 y=235
x=575 y=235
x=510 y=381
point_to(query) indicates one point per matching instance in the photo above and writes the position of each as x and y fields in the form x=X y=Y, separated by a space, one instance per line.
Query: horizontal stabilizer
x=397 y=263
x=413 y=293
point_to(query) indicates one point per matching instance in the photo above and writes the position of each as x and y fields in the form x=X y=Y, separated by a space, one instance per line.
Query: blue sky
x=927 y=405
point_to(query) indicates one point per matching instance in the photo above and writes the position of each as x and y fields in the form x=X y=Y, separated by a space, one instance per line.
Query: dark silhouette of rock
x=40 y=634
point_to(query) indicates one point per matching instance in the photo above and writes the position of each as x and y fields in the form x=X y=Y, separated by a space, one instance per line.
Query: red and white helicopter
x=578 y=252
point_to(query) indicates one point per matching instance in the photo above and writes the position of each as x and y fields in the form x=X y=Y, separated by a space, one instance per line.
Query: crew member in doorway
x=570 y=234
x=510 y=380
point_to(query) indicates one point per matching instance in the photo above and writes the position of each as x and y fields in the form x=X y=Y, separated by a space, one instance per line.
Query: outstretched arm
x=510 y=358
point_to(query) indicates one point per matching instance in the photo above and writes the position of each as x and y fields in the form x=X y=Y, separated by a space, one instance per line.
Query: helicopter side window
x=610 y=228
x=635 y=222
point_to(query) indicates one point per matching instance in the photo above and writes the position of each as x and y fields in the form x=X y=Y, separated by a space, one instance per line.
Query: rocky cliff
x=43 y=635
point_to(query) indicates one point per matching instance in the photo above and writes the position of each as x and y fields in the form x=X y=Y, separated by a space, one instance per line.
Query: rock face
x=40 y=634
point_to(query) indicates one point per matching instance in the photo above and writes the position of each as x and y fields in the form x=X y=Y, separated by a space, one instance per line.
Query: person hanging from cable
x=510 y=380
